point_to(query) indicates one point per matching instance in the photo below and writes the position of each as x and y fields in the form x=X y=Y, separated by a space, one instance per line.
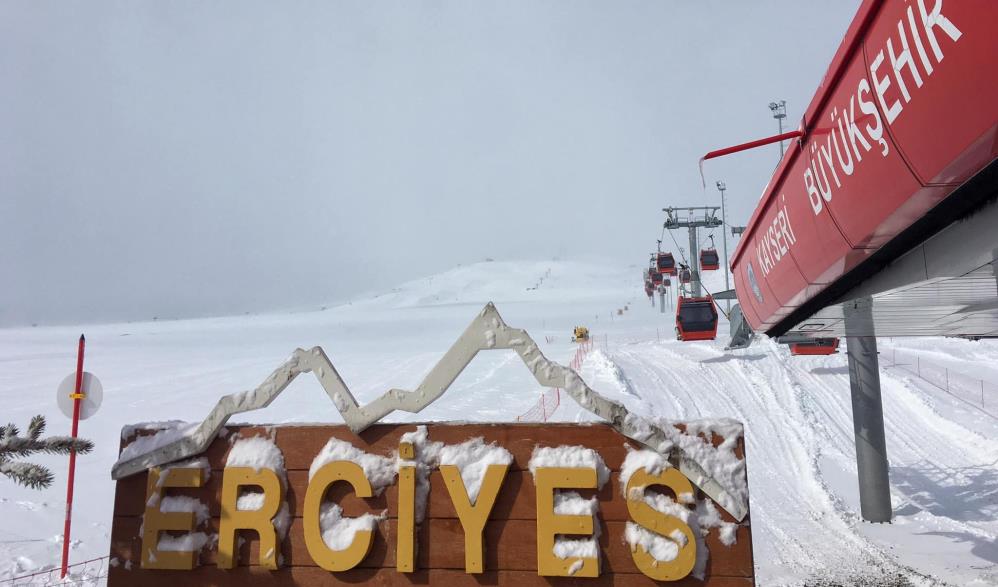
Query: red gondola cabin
x=696 y=319
x=709 y=261
x=666 y=264
x=818 y=346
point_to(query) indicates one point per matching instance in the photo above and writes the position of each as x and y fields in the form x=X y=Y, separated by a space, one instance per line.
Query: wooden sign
x=444 y=504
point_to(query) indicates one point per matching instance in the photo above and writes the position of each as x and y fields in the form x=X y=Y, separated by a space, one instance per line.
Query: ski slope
x=796 y=411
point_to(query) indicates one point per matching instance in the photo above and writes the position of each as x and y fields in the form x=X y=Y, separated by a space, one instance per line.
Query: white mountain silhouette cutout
x=486 y=332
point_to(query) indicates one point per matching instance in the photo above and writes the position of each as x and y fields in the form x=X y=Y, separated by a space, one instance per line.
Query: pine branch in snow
x=8 y=431
x=61 y=445
x=36 y=427
x=21 y=447
x=13 y=445
x=27 y=474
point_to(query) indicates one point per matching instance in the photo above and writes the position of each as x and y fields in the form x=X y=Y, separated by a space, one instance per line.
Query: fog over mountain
x=200 y=158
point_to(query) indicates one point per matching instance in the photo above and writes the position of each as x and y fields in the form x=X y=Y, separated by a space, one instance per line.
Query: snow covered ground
x=797 y=414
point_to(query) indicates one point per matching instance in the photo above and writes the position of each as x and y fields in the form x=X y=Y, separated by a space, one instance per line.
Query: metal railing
x=979 y=393
x=91 y=573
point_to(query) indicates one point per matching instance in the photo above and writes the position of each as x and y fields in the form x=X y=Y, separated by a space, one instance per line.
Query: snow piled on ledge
x=575 y=457
x=166 y=432
x=339 y=532
x=473 y=458
x=258 y=453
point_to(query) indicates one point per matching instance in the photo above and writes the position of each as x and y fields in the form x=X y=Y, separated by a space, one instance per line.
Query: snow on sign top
x=715 y=471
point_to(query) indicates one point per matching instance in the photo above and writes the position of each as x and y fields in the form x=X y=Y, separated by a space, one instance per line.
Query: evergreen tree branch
x=36 y=427
x=21 y=447
x=27 y=474
x=62 y=445
x=8 y=431
x=13 y=445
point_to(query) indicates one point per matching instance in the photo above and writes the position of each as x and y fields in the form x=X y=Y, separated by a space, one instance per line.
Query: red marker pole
x=77 y=396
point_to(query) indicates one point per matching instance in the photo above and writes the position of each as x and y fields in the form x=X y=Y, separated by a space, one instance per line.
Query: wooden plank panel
x=301 y=443
x=314 y=576
x=510 y=545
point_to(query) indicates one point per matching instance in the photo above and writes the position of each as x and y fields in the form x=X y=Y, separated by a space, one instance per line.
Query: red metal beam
x=746 y=146
x=752 y=144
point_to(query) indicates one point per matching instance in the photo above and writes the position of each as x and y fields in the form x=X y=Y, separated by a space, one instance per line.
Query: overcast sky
x=201 y=158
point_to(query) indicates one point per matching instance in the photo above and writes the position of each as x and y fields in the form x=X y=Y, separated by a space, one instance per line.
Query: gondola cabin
x=709 y=261
x=666 y=264
x=656 y=279
x=696 y=319
x=685 y=275
x=818 y=346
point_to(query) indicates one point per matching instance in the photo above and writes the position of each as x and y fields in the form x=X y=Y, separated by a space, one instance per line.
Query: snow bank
x=607 y=371
x=257 y=453
x=339 y=532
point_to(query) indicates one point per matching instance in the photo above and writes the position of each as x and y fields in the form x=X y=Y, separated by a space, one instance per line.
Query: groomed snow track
x=801 y=462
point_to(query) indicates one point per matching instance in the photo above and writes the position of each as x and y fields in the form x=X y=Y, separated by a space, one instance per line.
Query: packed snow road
x=796 y=411
x=801 y=462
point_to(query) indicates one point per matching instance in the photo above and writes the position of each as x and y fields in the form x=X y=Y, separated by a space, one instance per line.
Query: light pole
x=724 y=234
x=779 y=113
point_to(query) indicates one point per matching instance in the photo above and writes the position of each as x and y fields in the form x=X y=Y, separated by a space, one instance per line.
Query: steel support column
x=868 y=415
x=695 y=263
x=677 y=218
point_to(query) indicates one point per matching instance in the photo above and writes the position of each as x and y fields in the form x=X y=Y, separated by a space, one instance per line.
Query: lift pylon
x=692 y=218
